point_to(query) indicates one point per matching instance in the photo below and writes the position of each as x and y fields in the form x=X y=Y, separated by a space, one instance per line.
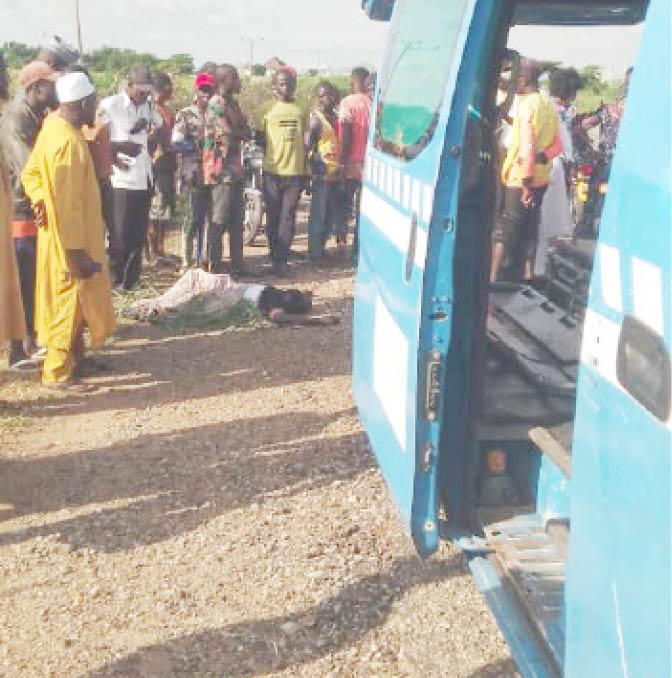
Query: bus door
x=618 y=592
x=408 y=213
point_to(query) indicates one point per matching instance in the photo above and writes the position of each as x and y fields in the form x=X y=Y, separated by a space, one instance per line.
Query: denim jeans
x=197 y=209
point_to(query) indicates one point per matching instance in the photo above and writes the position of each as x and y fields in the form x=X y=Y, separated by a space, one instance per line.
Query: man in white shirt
x=133 y=123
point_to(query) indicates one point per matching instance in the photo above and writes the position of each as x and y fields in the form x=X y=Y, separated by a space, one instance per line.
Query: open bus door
x=585 y=546
x=402 y=329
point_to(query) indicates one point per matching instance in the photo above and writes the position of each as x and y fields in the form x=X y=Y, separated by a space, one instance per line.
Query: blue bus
x=527 y=420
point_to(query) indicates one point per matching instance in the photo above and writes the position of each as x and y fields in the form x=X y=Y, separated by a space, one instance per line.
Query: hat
x=205 y=80
x=36 y=71
x=73 y=87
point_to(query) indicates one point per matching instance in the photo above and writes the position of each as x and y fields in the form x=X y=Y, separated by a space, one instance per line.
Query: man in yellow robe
x=12 y=319
x=73 y=285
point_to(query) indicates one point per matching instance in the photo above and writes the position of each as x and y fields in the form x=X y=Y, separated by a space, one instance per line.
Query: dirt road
x=213 y=510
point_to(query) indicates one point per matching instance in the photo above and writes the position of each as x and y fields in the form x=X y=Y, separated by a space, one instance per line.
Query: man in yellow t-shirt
x=281 y=131
x=535 y=141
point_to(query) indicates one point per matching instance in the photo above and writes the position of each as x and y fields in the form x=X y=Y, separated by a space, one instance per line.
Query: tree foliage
x=110 y=60
x=17 y=54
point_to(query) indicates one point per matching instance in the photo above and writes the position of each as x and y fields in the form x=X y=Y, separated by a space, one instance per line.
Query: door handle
x=412 y=245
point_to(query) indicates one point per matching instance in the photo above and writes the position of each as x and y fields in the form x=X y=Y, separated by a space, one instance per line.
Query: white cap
x=73 y=87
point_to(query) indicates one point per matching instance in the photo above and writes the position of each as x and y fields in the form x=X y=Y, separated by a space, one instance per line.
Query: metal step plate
x=534 y=562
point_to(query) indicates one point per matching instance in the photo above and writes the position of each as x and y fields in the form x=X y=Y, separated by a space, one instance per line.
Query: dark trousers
x=326 y=215
x=351 y=205
x=282 y=195
x=131 y=215
x=517 y=227
x=25 y=250
x=107 y=204
x=226 y=215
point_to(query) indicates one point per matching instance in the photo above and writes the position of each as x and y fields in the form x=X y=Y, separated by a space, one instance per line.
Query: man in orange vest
x=535 y=141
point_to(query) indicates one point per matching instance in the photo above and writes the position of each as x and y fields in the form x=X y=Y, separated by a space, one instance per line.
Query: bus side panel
x=618 y=594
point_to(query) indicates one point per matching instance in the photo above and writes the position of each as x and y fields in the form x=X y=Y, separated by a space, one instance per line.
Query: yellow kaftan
x=60 y=172
x=12 y=317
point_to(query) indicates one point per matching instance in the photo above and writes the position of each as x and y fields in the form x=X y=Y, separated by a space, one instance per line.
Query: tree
x=17 y=54
x=182 y=64
x=258 y=69
x=591 y=79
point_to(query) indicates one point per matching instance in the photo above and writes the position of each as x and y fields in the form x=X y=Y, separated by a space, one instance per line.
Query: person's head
x=370 y=84
x=284 y=83
x=573 y=81
x=228 y=80
x=139 y=84
x=77 y=98
x=358 y=78
x=205 y=88
x=57 y=53
x=37 y=80
x=4 y=79
x=209 y=67
x=326 y=96
x=528 y=76
x=558 y=84
x=162 y=87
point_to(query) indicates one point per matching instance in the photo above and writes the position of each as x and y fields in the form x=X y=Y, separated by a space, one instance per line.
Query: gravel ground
x=213 y=509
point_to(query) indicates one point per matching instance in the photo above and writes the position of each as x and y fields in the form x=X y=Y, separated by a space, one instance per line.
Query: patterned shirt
x=225 y=128
x=187 y=139
x=610 y=122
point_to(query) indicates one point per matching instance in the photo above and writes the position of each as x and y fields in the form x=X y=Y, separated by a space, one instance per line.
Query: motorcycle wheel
x=253 y=215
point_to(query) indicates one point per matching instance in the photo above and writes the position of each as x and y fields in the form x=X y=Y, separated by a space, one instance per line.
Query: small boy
x=326 y=213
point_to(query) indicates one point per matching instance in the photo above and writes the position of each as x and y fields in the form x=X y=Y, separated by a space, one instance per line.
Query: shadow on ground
x=259 y=647
x=170 y=484
x=150 y=365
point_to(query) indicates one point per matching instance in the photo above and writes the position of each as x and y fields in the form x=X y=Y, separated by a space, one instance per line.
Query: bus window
x=414 y=75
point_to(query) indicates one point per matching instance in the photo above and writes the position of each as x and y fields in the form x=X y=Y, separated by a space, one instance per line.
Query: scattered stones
x=222 y=516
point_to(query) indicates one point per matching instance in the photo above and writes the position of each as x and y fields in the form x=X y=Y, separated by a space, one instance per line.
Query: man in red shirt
x=354 y=116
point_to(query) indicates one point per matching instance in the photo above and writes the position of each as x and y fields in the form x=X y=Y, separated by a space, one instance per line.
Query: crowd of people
x=538 y=145
x=89 y=188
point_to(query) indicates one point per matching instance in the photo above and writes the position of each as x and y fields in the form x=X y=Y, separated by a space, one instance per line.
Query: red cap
x=289 y=70
x=205 y=80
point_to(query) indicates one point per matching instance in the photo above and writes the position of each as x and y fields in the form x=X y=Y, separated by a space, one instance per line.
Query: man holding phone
x=73 y=286
x=133 y=123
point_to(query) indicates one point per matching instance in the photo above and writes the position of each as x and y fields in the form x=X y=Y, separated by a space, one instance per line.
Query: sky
x=308 y=33
x=613 y=48
x=305 y=33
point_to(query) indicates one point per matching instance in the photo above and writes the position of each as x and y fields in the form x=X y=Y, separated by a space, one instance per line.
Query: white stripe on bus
x=610 y=277
x=647 y=294
x=394 y=225
x=397 y=186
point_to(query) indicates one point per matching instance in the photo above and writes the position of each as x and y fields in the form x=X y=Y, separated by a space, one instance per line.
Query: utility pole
x=79 y=29
x=251 y=42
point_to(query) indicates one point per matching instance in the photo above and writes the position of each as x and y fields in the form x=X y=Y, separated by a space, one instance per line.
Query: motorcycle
x=253 y=160
x=588 y=185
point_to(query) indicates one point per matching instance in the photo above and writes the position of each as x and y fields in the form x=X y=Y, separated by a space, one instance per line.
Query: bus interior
x=526 y=335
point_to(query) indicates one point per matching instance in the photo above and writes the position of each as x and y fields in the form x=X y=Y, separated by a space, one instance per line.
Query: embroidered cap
x=73 y=87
